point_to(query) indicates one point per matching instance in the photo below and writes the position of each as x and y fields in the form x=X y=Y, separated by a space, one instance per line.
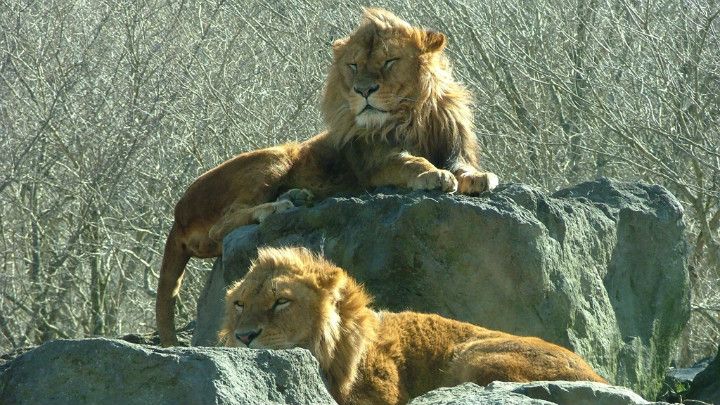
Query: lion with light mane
x=291 y=297
x=395 y=117
x=393 y=108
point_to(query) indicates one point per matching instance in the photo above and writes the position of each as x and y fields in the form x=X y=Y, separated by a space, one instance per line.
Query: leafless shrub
x=108 y=110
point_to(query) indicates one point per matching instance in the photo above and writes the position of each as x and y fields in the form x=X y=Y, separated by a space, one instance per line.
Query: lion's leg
x=240 y=215
x=517 y=359
x=405 y=170
x=472 y=364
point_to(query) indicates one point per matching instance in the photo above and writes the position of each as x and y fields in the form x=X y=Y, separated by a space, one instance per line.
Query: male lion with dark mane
x=395 y=117
x=291 y=297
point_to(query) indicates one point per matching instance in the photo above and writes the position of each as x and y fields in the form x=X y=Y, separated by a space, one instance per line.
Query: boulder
x=678 y=381
x=706 y=384
x=540 y=392
x=184 y=336
x=107 y=371
x=472 y=394
x=599 y=268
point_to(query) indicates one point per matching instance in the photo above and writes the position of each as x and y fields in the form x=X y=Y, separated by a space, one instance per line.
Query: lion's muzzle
x=246 y=337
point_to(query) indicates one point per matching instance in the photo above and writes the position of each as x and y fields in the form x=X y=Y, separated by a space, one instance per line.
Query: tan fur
x=376 y=358
x=420 y=132
x=423 y=142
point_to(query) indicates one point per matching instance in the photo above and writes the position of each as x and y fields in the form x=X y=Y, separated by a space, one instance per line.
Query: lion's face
x=285 y=300
x=377 y=72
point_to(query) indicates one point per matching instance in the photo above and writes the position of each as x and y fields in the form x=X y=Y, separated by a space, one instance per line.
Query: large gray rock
x=599 y=268
x=104 y=371
x=541 y=392
x=706 y=385
x=472 y=394
x=571 y=392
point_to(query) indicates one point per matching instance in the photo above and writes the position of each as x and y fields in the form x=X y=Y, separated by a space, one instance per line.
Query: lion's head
x=291 y=297
x=389 y=78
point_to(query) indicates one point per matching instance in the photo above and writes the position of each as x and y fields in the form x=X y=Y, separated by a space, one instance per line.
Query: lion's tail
x=175 y=259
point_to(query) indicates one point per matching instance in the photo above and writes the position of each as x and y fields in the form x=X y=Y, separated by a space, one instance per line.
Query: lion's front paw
x=297 y=196
x=262 y=212
x=434 y=180
x=476 y=182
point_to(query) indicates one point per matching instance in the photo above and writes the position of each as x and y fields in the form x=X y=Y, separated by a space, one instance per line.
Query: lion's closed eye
x=280 y=304
x=389 y=63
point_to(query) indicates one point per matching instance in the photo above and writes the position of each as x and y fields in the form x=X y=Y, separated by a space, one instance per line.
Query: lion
x=395 y=117
x=392 y=107
x=292 y=297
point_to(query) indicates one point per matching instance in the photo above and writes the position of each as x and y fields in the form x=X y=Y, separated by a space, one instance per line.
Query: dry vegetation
x=109 y=109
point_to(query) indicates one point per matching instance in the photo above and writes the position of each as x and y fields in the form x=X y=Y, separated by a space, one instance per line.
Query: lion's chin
x=371 y=119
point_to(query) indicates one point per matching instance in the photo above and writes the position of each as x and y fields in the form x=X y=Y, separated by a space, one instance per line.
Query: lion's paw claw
x=273 y=208
x=435 y=180
x=297 y=196
x=477 y=182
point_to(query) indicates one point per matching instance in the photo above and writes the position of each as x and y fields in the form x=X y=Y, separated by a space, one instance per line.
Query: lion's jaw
x=327 y=312
x=370 y=118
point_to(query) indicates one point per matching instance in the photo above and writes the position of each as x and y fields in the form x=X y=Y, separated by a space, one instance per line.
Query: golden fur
x=424 y=140
x=291 y=297
x=393 y=108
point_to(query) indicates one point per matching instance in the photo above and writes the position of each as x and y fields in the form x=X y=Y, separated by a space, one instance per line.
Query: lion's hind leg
x=241 y=215
x=517 y=359
x=238 y=215
x=473 y=362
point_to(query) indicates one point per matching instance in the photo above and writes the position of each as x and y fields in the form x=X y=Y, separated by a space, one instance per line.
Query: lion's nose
x=366 y=90
x=247 y=337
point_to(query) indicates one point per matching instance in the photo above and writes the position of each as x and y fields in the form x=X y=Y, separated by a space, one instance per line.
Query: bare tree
x=108 y=110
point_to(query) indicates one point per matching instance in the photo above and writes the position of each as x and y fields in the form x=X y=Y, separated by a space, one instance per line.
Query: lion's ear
x=434 y=41
x=338 y=45
x=331 y=279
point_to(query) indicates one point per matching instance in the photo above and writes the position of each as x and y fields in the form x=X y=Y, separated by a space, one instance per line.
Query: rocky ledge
x=106 y=371
x=599 y=268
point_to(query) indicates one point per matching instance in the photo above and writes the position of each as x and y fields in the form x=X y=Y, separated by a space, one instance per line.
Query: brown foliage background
x=108 y=110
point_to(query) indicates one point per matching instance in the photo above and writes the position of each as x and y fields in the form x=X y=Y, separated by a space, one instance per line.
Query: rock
x=106 y=371
x=184 y=336
x=599 y=268
x=97 y=371
x=706 y=385
x=7 y=358
x=540 y=392
x=678 y=381
x=571 y=392
x=472 y=394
